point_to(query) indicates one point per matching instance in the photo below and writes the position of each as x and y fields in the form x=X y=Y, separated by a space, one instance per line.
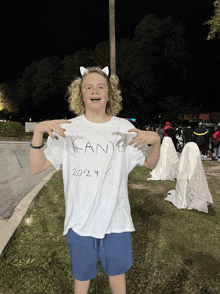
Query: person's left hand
x=144 y=138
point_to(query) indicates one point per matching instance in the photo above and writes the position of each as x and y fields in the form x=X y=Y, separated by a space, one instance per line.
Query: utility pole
x=112 y=36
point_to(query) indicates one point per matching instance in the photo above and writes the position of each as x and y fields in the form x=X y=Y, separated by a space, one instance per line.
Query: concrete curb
x=18 y=142
x=15 y=142
x=8 y=228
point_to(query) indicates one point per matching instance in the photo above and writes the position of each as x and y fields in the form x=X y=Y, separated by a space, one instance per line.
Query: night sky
x=33 y=30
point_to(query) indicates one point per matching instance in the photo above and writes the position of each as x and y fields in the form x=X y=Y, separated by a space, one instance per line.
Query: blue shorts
x=114 y=252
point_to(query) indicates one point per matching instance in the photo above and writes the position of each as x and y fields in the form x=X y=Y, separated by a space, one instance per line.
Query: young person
x=202 y=140
x=96 y=151
x=216 y=141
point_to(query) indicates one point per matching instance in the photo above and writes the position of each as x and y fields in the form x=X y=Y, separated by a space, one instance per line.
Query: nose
x=95 y=90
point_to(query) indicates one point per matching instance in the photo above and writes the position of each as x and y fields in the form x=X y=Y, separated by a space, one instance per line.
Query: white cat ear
x=83 y=70
x=106 y=70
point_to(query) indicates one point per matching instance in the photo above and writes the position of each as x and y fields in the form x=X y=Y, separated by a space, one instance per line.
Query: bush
x=11 y=129
x=46 y=135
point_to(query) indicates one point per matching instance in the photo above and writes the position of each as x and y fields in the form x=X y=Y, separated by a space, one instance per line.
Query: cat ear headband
x=83 y=70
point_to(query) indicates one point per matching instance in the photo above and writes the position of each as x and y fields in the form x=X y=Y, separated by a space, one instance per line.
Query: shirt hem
x=90 y=235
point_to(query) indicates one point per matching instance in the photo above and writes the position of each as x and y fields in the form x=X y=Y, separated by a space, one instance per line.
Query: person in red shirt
x=167 y=127
x=216 y=141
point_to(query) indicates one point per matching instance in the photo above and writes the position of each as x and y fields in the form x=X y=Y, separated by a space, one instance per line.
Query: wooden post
x=112 y=36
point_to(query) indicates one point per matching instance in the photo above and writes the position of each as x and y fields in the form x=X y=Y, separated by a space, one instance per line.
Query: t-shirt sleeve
x=54 y=150
x=136 y=157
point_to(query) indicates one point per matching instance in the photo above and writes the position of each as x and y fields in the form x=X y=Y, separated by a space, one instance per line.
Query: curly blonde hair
x=76 y=104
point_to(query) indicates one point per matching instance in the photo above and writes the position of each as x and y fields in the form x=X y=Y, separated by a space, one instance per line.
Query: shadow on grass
x=147 y=213
x=209 y=267
x=189 y=270
x=211 y=211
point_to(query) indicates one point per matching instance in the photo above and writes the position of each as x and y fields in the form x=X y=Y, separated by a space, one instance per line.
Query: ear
x=106 y=70
x=83 y=70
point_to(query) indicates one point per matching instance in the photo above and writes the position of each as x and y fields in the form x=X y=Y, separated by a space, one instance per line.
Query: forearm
x=36 y=156
x=151 y=162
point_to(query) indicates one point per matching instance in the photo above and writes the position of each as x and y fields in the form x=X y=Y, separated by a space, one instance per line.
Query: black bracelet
x=36 y=147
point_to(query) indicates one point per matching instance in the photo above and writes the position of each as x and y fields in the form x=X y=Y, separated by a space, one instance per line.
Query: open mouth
x=95 y=99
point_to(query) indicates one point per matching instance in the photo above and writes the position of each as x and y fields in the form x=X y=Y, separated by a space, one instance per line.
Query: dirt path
x=213 y=170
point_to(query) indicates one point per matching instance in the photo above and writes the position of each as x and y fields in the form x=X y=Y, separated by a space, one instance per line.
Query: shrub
x=11 y=129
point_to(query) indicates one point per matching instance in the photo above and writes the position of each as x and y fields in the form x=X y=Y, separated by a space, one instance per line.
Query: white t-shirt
x=96 y=161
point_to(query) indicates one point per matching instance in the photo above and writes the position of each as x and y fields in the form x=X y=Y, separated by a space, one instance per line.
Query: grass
x=174 y=251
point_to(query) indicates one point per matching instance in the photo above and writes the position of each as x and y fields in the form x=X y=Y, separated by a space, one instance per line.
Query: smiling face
x=95 y=93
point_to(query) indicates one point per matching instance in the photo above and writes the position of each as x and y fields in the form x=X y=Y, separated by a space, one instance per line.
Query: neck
x=97 y=117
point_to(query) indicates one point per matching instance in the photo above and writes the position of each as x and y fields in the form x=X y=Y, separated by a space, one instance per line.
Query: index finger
x=65 y=121
x=132 y=130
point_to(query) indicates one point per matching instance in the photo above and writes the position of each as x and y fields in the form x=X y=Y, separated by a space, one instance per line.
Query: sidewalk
x=7 y=228
x=18 y=168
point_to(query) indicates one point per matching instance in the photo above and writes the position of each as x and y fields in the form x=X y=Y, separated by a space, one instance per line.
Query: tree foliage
x=214 y=22
x=153 y=69
x=40 y=89
x=72 y=63
x=156 y=66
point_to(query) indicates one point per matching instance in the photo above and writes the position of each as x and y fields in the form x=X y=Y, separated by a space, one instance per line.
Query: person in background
x=167 y=127
x=188 y=134
x=172 y=134
x=149 y=128
x=215 y=129
x=160 y=132
x=180 y=141
x=208 y=140
x=200 y=133
x=216 y=141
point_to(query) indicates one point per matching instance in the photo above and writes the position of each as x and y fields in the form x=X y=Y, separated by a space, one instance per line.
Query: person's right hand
x=51 y=125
